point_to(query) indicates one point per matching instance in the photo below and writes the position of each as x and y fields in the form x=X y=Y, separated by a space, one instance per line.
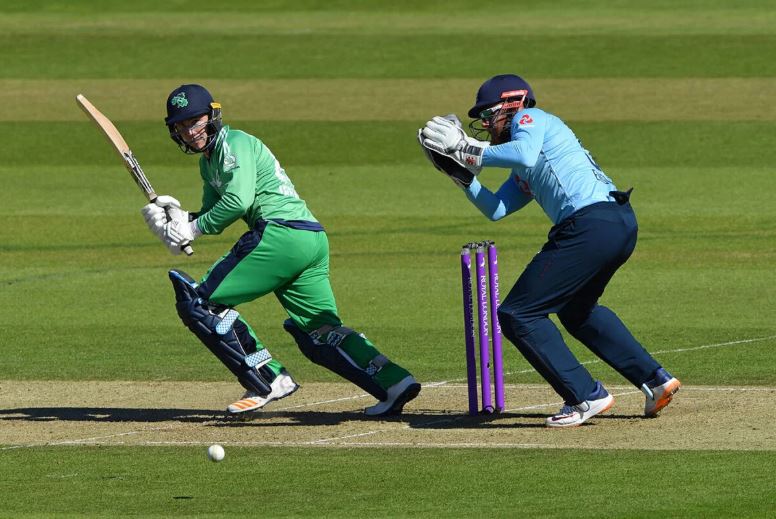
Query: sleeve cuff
x=474 y=188
x=196 y=232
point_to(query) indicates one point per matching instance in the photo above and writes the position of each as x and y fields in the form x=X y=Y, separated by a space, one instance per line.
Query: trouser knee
x=514 y=324
x=572 y=319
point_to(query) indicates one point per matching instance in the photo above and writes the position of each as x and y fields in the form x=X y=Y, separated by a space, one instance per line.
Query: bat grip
x=187 y=249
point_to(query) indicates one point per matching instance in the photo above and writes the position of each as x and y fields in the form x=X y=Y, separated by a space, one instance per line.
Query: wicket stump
x=487 y=295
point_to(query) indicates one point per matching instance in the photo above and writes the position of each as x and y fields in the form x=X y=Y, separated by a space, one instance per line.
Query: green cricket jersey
x=243 y=179
x=286 y=251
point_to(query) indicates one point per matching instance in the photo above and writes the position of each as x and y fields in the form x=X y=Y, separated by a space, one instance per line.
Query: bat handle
x=187 y=249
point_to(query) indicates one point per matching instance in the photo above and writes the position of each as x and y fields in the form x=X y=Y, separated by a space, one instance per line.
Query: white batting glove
x=177 y=231
x=156 y=214
x=155 y=218
x=165 y=218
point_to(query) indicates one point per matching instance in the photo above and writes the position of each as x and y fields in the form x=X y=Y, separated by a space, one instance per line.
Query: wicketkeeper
x=285 y=251
x=594 y=233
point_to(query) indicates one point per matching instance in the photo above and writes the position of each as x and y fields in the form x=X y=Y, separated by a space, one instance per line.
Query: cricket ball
x=215 y=453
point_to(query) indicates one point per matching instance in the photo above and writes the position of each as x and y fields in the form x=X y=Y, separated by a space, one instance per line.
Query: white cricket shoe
x=659 y=391
x=282 y=386
x=573 y=415
x=398 y=395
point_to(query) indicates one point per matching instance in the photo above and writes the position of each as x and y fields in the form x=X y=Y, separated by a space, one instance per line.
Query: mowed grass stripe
x=533 y=20
x=378 y=7
x=384 y=482
x=334 y=100
x=328 y=147
x=107 y=55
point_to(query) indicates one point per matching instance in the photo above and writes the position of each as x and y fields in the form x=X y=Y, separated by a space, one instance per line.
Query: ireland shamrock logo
x=180 y=100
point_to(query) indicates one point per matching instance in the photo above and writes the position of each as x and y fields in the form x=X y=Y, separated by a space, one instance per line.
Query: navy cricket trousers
x=566 y=278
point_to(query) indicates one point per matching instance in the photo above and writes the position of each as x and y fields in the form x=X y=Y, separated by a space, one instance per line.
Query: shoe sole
x=412 y=391
x=552 y=425
x=248 y=406
x=664 y=400
x=249 y=409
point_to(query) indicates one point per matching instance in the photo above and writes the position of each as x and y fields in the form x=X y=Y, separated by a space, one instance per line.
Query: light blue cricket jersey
x=548 y=164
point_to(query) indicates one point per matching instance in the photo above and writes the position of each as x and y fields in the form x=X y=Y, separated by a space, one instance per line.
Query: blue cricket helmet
x=498 y=88
x=189 y=101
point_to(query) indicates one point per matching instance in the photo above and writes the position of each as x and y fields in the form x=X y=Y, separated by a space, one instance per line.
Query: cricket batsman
x=593 y=234
x=284 y=251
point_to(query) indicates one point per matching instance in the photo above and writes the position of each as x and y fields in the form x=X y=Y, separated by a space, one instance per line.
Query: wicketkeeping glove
x=461 y=174
x=443 y=135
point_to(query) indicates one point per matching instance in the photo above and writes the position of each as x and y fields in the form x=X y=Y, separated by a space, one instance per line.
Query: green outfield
x=372 y=485
x=673 y=98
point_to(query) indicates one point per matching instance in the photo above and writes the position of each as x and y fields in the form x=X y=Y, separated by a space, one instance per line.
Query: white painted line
x=126 y=433
x=228 y=444
x=717 y=345
x=711 y=388
x=597 y=361
x=93 y=440
x=324 y=440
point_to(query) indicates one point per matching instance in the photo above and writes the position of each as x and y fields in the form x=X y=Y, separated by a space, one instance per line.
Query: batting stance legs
x=294 y=264
x=567 y=277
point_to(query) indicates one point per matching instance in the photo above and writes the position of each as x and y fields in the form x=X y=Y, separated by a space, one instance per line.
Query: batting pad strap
x=334 y=335
x=317 y=335
x=258 y=358
x=376 y=364
x=228 y=317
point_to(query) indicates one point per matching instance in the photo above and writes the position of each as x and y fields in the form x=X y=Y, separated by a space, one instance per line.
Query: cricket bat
x=127 y=157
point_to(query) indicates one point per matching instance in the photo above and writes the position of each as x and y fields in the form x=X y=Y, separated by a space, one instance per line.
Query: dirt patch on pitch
x=158 y=413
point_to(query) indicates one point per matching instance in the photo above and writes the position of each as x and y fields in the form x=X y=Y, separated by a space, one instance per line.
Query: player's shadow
x=481 y=421
x=419 y=419
x=209 y=417
x=507 y=420
x=292 y=418
x=107 y=414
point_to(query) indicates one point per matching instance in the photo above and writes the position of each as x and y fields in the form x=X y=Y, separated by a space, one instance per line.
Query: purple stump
x=468 y=324
x=482 y=312
x=498 y=368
